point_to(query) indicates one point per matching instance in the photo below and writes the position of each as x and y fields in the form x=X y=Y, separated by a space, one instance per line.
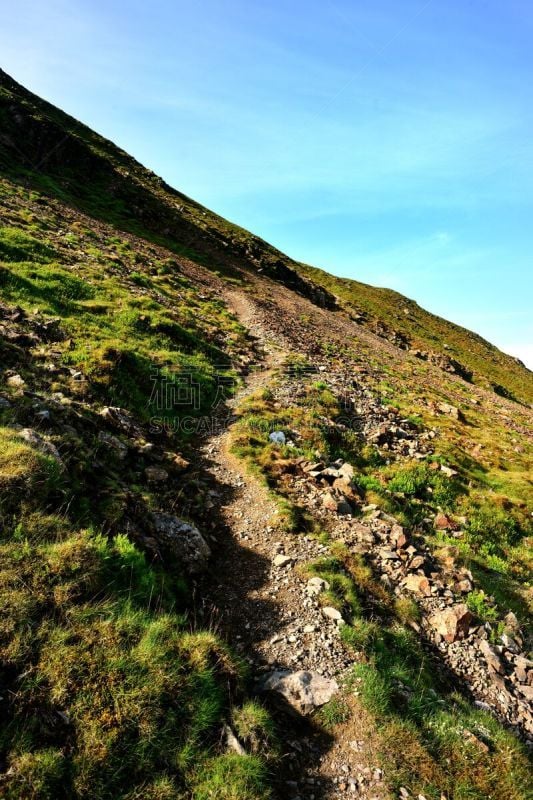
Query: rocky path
x=271 y=613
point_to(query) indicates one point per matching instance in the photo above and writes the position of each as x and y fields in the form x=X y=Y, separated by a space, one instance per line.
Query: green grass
x=110 y=670
x=342 y=592
x=143 y=352
x=478 y=604
x=333 y=713
x=254 y=728
x=16 y=245
x=24 y=470
x=424 y=726
x=232 y=777
x=109 y=689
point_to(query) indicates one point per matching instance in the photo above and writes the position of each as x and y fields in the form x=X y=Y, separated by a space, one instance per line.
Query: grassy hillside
x=109 y=689
x=409 y=326
x=46 y=149
x=115 y=679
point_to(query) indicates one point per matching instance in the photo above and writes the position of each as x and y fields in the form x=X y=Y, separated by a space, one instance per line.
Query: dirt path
x=264 y=609
x=265 y=606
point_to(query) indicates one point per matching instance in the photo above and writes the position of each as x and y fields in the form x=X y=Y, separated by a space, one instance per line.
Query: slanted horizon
x=390 y=145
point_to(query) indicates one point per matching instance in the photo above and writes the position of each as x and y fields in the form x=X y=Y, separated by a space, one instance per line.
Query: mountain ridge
x=151 y=206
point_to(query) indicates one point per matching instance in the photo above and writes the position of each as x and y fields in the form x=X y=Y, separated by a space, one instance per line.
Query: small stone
x=527 y=691
x=180 y=463
x=36 y=440
x=522 y=665
x=282 y=560
x=344 y=508
x=511 y=622
x=184 y=541
x=122 y=420
x=144 y=448
x=156 y=474
x=316 y=585
x=448 y=471
x=443 y=522
x=332 y=613
x=232 y=743
x=398 y=536
x=303 y=690
x=491 y=657
x=119 y=448
x=16 y=381
x=418 y=584
x=451 y=411
x=452 y=623
x=470 y=737
x=462 y=587
x=346 y=471
x=509 y=643
x=388 y=555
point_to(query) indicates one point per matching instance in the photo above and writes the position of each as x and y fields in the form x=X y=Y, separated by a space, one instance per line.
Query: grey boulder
x=183 y=540
x=303 y=690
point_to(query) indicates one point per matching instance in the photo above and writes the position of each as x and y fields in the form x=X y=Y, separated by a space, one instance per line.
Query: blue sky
x=388 y=141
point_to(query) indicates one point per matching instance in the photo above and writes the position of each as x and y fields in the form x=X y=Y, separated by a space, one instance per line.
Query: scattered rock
x=183 y=540
x=451 y=411
x=523 y=668
x=452 y=623
x=179 y=462
x=527 y=691
x=304 y=691
x=463 y=586
x=332 y=613
x=346 y=471
x=43 y=445
x=448 y=471
x=122 y=420
x=398 y=536
x=316 y=585
x=329 y=502
x=282 y=560
x=491 y=657
x=119 y=448
x=344 y=508
x=443 y=522
x=156 y=474
x=418 y=584
x=232 y=743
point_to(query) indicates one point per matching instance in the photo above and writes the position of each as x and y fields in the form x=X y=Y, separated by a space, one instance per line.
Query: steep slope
x=51 y=151
x=161 y=553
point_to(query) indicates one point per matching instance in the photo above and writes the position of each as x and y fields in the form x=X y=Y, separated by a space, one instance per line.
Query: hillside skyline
x=385 y=147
